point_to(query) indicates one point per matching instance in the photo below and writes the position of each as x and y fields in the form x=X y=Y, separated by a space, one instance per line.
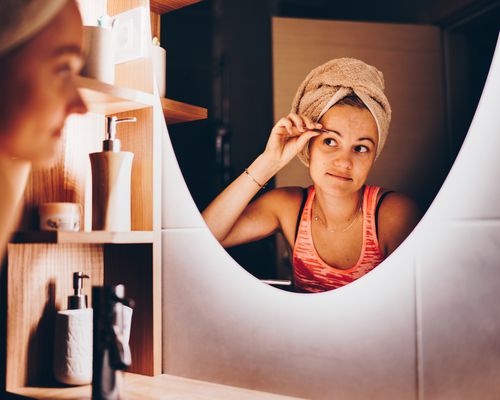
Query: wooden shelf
x=155 y=388
x=165 y=6
x=176 y=112
x=102 y=98
x=84 y=237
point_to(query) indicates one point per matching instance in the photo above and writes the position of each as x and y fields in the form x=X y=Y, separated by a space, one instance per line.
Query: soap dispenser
x=73 y=338
x=111 y=180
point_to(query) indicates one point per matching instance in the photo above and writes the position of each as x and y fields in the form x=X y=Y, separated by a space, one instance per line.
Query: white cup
x=100 y=63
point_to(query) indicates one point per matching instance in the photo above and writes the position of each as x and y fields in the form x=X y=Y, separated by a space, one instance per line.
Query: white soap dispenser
x=73 y=338
x=111 y=180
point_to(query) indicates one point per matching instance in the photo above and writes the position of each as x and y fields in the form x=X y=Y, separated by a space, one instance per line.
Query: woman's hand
x=288 y=137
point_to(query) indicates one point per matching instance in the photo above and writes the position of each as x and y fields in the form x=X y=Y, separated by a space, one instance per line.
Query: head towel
x=21 y=19
x=327 y=84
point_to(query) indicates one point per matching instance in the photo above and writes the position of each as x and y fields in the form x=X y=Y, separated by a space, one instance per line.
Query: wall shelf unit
x=102 y=98
x=164 y=6
x=96 y=237
x=105 y=99
x=176 y=112
x=40 y=264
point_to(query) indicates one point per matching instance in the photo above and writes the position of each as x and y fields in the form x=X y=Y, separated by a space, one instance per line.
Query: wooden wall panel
x=40 y=277
x=155 y=24
x=69 y=177
x=135 y=74
x=131 y=265
x=137 y=137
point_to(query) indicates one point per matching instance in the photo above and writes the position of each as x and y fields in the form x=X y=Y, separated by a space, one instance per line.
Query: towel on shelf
x=21 y=19
x=329 y=83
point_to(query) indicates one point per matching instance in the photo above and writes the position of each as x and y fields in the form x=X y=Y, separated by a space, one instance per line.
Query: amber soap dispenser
x=111 y=180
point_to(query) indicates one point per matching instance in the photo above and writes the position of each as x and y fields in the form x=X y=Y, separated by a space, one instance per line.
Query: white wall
x=424 y=324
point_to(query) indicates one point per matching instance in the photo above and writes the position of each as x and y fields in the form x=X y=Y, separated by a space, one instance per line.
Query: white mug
x=99 y=63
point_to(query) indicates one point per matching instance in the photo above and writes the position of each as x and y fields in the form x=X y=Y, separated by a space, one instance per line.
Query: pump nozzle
x=112 y=143
x=78 y=299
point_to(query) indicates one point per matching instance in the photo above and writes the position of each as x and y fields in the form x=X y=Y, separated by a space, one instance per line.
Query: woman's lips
x=340 y=177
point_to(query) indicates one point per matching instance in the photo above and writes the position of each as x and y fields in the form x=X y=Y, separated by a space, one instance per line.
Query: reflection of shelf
x=176 y=112
x=155 y=388
x=164 y=6
x=83 y=237
x=102 y=98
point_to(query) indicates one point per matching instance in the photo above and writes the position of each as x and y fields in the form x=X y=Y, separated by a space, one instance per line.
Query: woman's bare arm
x=230 y=217
x=230 y=207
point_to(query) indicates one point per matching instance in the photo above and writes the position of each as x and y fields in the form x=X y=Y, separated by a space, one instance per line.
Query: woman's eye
x=64 y=70
x=330 y=142
x=68 y=67
x=362 y=149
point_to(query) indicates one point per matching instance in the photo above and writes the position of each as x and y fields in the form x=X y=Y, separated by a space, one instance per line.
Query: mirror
x=234 y=78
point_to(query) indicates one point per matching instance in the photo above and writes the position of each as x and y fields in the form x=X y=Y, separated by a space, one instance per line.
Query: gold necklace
x=317 y=218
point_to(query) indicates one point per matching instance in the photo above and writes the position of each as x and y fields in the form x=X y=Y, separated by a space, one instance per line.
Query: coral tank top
x=311 y=273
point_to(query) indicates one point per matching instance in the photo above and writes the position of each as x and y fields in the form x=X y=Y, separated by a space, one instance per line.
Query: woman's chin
x=338 y=187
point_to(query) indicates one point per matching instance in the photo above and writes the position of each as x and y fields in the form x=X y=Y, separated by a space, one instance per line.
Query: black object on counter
x=111 y=351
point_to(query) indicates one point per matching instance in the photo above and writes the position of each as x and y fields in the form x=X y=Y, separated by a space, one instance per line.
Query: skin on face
x=341 y=157
x=39 y=89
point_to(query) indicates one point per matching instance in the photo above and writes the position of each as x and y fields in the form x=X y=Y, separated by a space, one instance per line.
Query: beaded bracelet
x=253 y=179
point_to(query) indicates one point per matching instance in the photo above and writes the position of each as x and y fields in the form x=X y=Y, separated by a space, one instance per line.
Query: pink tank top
x=311 y=273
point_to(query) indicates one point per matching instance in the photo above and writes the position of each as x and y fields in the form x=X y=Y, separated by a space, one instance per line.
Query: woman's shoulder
x=396 y=202
x=287 y=195
x=398 y=215
x=285 y=201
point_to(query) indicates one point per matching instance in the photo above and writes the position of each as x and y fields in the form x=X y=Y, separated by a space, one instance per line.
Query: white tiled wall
x=423 y=325
x=222 y=325
x=459 y=309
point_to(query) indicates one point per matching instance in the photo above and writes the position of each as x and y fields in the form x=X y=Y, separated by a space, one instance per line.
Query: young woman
x=339 y=228
x=40 y=56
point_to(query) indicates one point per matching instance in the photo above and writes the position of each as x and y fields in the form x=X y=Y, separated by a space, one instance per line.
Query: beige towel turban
x=21 y=19
x=327 y=84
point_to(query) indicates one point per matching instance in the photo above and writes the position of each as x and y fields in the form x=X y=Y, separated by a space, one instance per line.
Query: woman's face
x=340 y=159
x=39 y=90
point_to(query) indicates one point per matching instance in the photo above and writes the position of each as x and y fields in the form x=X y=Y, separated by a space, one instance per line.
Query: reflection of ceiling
x=441 y=12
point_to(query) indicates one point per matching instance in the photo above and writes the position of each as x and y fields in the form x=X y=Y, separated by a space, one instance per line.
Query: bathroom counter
x=164 y=387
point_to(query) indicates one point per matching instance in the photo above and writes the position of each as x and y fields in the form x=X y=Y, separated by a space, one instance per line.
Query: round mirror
x=433 y=87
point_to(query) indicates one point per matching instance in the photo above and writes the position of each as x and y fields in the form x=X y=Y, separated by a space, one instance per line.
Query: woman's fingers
x=304 y=138
x=283 y=123
x=290 y=132
x=310 y=124
x=295 y=124
x=298 y=121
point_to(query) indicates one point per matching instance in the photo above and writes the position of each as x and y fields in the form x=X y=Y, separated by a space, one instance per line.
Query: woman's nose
x=343 y=160
x=76 y=105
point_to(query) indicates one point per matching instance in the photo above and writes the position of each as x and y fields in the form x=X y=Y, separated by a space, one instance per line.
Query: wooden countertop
x=161 y=387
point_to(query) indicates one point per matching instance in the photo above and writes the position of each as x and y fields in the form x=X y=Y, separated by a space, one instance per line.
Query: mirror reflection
x=338 y=229
x=431 y=84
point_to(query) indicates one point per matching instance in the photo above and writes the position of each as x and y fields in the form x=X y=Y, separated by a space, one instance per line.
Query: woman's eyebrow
x=68 y=49
x=368 y=138
x=339 y=134
x=328 y=131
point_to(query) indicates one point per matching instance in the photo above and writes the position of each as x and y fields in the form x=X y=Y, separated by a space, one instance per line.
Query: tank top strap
x=369 y=207
x=370 y=199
